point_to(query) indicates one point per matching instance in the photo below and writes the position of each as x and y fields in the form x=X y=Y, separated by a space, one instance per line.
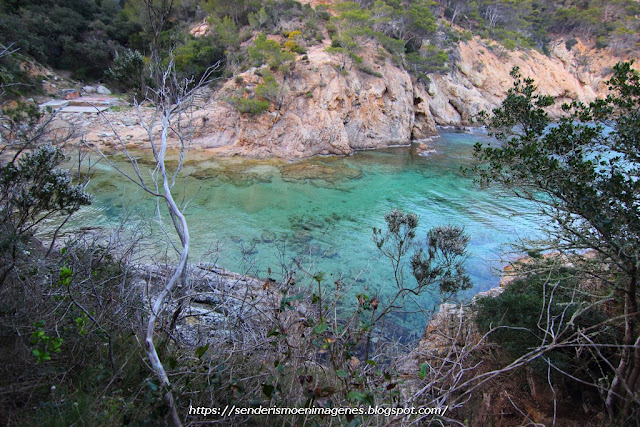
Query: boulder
x=103 y=90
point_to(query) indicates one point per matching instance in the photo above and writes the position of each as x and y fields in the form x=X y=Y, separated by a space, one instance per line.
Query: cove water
x=256 y=216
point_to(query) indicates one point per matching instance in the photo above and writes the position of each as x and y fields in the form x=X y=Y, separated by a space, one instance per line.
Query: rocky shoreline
x=328 y=111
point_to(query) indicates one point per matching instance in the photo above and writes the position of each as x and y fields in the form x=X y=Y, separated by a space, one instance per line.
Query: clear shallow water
x=261 y=214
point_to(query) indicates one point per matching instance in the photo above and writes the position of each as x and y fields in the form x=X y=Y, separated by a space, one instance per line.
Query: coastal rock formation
x=324 y=110
x=329 y=110
x=480 y=77
x=329 y=105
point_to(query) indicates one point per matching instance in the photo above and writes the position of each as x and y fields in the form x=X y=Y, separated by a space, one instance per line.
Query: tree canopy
x=583 y=172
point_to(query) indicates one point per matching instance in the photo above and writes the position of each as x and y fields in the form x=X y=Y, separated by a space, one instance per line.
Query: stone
x=129 y=121
x=89 y=89
x=103 y=90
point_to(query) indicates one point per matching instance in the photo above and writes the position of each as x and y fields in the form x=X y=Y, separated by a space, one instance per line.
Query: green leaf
x=320 y=327
x=65 y=272
x=423 y=370
x=200 y=351
x=341 y=373
x=268 y=389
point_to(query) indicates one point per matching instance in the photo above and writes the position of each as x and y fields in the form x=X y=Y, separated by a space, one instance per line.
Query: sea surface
x=269 y=217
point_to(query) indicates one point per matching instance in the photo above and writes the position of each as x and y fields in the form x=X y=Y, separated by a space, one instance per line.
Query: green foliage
x=249 y=105
x=195 y=57
x=583 y=173
x=127 y=71
x=592 y=188
x=368 y=70
x=44 y=345
x=238 y=10
x=293 y=42
x=570 y=43
x=227 y=32
x=428 y=60
x=401 y=28
x=270 y=52
x=529 y=23
x=520 y=315
x=269 y=89
x=265 y=94
x=76 y=35
x=33 y=188
x=259 y=19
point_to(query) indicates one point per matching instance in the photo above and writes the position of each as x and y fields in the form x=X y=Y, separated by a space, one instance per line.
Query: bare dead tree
x=170 y=121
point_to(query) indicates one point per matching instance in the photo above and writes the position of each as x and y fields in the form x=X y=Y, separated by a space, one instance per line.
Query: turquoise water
x=251 y=216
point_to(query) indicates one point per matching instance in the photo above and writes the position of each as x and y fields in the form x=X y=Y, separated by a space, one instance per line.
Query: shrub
x=522 y=310
x=127 y=70
x=196 y=56
x=268 y=51
x=428 y=60
x=368 y=70
x=269 y=89
x=249 y=105
x=602 y=42
x=570 y=43
x=466 y=36
x=509 y=44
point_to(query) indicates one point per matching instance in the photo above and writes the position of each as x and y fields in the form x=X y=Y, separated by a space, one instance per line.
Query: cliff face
x=480 y=78
x=324 y=109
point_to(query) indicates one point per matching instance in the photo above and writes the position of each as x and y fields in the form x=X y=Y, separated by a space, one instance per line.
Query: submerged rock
x=330 y=173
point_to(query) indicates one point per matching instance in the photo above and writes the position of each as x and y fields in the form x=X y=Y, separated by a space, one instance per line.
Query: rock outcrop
x=323 y=108
x=323 y=111
x=479 y=78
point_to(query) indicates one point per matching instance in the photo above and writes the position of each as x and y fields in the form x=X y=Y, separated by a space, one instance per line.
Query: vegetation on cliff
x=86 y=37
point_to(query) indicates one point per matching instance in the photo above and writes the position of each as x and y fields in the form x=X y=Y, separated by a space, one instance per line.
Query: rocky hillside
x=326 y=110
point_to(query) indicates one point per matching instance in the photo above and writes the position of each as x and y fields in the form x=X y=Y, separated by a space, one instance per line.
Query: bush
x=33 y=188
x=250 y=106
x=521 y=312
x=269 y=89
x=428 y=60
x=368 y=70
x=196 y=56
x=570 y=43
x=127 y=71
x=602 y=42
x=268 y=51
x=509 y=44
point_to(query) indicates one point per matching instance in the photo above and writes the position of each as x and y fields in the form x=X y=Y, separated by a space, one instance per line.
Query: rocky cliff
x=328 y=111
x=479 y=78
x=327 y=105
x=324 y=110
